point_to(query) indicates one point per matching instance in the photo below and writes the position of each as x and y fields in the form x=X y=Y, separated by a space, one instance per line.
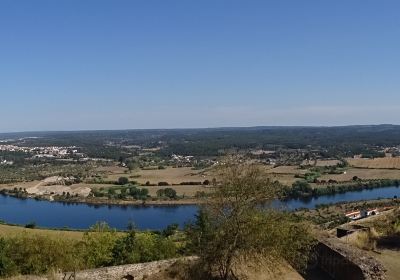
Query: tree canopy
x=237 y=224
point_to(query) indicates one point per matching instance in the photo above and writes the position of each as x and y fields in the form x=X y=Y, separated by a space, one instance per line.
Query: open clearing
x=170 y=175
x=286 y=170
x=331 y=162
x=363 y=174
x=385 y=163
x=48 y=186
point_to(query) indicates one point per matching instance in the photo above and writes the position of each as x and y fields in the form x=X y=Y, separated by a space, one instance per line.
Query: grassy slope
x=6 y=230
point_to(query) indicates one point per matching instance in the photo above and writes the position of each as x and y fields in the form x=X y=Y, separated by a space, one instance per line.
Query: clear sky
x=96 y=64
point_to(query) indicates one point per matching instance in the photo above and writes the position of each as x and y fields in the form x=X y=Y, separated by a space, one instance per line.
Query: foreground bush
x=38 y=254
x=101 y=246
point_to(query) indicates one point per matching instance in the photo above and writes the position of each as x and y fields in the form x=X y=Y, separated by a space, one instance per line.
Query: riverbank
x=121 y=202
x=304 y=190
x=329 y=216
x=103 y=201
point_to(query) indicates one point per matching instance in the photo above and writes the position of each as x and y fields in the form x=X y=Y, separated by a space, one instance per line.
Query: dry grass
x=170 y=175
x=385 y=163
x=286 y=170
x=363 y=174
x=180 y=271
x=114 y=168
x=332 y=162
x=173 y=175
x=391 y=260
x=365 y=240
x=285 y=179
x=29 y=277
x=7 y=231
x=41 y=187
x=19 y=185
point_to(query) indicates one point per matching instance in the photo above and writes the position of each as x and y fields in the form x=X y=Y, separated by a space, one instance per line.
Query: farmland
x=363 y=173
x=155 y=175
x=376 y=163
x=186 y=160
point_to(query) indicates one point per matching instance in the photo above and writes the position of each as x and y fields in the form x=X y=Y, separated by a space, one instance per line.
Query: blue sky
x=96 y=64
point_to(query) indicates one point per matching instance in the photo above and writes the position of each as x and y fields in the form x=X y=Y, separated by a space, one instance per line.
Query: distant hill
x=209 y=141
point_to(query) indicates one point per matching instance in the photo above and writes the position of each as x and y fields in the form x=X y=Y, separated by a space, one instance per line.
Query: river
x=81 y=216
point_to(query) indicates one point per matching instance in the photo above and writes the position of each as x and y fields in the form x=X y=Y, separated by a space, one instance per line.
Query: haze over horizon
x=86 y=65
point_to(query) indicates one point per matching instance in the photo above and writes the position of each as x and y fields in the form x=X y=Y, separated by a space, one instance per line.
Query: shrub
x=167 y=192
x=99 y=242
x=38 y=254
x=123 y=180
x=31 y=225
x=366 y=240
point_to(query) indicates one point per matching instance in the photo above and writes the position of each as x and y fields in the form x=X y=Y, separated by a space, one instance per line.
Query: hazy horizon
x=201 y=128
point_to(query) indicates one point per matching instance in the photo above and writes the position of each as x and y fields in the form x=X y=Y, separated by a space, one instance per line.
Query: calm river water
x=82 y=216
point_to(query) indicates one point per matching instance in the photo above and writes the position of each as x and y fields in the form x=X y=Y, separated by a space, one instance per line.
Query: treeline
x=331 y=141
x=101 y=246
x=188 y=183
x=122 y=192
x=302 y=189
x=17 y=157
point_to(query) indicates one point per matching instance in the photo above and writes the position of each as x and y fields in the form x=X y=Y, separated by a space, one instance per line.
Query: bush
x=151 y=247
x=366 y=240
x=31 y=225
x=38 y=254
x=167 y=192
x=123 y=180
x=101 y=246
x=170 y=230
x=99 y=242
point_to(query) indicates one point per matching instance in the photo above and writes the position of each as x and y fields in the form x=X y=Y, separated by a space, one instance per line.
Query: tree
x=170 y=230
x=124 y=249
x=99 y=243
x=131 y=166
x=123 y=181
x=167 y=192
x=237 y=224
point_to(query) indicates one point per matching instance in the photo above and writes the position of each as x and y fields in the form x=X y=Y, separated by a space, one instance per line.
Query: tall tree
x=237 y=224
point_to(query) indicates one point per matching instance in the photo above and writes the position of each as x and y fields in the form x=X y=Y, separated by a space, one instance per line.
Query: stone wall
x=343 y=261
x=129 y=272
